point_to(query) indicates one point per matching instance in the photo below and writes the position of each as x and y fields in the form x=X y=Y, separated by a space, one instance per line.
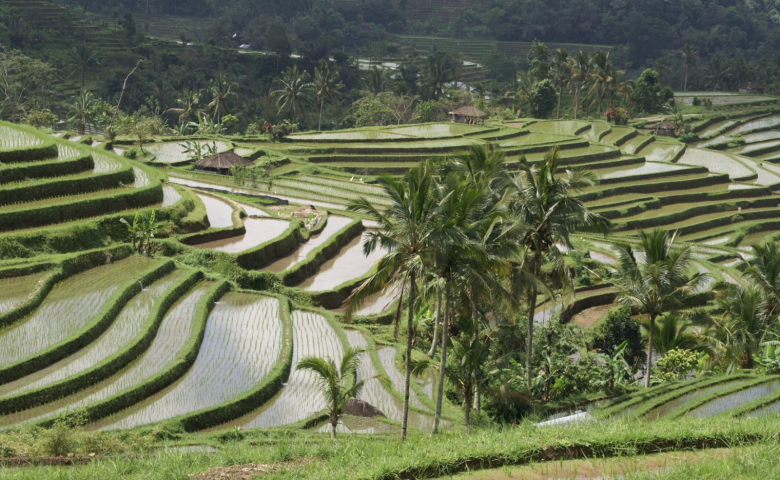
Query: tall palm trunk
x=444 y=332
x=408 y=361
x=436 y=324
x=577 y=101
x=529 y=350
x=599 y=96
x=560 y=97
x=650 y=350
x=685 y=77
x=334 y=422
x=322 y=105
x=467 y=398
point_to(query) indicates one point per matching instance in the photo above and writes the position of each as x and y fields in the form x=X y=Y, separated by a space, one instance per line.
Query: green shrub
x=677 y=364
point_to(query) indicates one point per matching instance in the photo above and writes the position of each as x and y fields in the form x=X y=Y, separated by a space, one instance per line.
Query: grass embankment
x=304 y=455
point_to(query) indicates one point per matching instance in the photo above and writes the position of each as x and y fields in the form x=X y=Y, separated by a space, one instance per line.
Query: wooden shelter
x=664 y=129
x=470 y=115
x=751 y=87
x=222 y=162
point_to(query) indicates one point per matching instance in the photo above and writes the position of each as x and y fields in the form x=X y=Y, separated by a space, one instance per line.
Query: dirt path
x=593 y=469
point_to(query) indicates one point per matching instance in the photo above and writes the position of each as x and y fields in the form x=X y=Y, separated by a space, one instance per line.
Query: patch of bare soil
x=588 y=317
x=237 y=472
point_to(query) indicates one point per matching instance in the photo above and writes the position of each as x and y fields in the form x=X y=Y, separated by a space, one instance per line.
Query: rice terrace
x=448 y=239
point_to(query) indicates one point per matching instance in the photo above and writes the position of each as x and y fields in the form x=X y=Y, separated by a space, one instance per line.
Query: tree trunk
x=408 y=360
x=560 y=97
x=334 y=422
x=531 y=311
x=436 y=324
x=599 y=94
x=477 y=399
x=576 y=102
x=83 y=75
x=649 y=351
x=322 y=105
x=442 y=369
x=467 y=409
x=685 y=77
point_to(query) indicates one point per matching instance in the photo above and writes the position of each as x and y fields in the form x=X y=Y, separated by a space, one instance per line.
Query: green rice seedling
x=11 y=138
x=171 y=196
x=241 y=344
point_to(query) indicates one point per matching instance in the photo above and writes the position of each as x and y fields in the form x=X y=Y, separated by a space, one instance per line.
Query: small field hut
x=470 y=115
x=664 y=129
x=222 y=163
x=751 y=87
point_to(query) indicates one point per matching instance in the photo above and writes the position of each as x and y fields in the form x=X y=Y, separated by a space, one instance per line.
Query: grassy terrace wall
x=46 y=169
x=279 y=247
x=91 y=331
x=42 y=189
x=108 y=366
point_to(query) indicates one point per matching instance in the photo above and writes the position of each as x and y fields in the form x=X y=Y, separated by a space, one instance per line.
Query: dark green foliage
x=545 y=97
x=649 y=95
x=617 y=327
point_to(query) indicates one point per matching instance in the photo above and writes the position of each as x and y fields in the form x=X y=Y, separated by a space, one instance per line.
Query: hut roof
x=665 y=126
x=223 y=161
x=469 y=112
x=750 y=85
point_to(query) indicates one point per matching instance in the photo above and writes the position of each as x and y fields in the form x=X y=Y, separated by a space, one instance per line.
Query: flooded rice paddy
x=242 y=343
x=716 y=162
x=16 y=290
x=734 y=400
x=219 y=212
x=128 y=324
x=335 y=223
x=672 y=405
x=69 y=307
x=349 y=263
x=258 y=230
x=387 y=358
x=301 y=397
x=375 y=394
x=175 y=329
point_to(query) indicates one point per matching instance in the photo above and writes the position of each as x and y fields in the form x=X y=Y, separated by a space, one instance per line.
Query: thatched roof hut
x=665 y=129
x=471 y=115
x=751 y=87
x=222 y=162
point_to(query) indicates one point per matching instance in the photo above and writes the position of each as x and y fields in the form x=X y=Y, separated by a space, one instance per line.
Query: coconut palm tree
x=327 y=84
x=673 y=331
x=742 y=322
x=438 y=72
x=375 y=81
x=294 y=92
x=466 y=370
x=601 y=74
x=655 y=280
x=546 y=203
x=560 y=71
x=717 y=72
x=525 y=91
x=764 y=271
x=580 y=68
x=406 y=230
x=188 y=107
x=338 y=383
x=221 y=91
x=689 y=54
x=83 y=59
x=80 y=111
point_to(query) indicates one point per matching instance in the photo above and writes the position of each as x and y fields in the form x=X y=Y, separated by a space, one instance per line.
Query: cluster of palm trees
x=584 y=75
x=471 y=236
x=297 y=89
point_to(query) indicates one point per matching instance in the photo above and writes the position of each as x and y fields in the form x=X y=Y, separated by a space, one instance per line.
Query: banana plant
x=142 y=231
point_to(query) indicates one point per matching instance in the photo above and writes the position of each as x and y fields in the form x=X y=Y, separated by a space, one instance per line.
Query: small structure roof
x=223 y=161
x=751 y=85
x=469 y=112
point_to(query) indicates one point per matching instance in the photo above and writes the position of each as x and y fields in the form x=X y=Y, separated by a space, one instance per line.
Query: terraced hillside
x=205 y=332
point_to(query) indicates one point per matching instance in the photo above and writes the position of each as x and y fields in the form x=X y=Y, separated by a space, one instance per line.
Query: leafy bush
x=677 y=364
x=618 y=116
x=617 y=327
